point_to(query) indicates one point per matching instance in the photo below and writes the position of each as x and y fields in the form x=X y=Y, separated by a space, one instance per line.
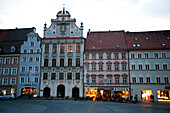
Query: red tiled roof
x=107 y=40
x=148 y=40
x=13 y=37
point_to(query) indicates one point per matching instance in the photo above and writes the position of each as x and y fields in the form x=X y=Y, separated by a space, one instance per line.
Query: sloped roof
x=105 y=40
x=13 y=37
x=148 y=40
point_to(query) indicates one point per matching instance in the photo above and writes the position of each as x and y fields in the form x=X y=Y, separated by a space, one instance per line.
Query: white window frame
x=22 y=68
x=4 y=71
x=13 y=60
x=11 y=81
x=3 y=81
x=37 y=68
x=12 y=71
x=31 y=69
x=1 y=60
x=23 y=59
x=37 y=79
x=6 y=59
x=21 y=80
x=0 y=71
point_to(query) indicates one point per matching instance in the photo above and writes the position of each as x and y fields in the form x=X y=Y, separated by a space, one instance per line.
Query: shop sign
x=167 y=87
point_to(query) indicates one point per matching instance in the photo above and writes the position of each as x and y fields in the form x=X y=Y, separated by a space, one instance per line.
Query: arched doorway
x=46 y=92
x=61 y=91
x=75 y=92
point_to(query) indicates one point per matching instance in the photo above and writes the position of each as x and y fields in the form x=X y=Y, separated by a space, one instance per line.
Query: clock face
x=63 y=29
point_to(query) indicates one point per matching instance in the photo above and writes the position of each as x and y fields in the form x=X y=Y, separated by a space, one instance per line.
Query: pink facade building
x=106 y=65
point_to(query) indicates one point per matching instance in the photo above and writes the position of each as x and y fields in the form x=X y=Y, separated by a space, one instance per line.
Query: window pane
x=62 y=62
x=62 y=48
x=54 y=47
x=70 y=49
x=46 y=48
x=78 y=48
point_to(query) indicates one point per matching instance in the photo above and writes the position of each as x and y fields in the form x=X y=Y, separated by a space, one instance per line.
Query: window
x=6 y=71
x=62 y=62
x=31 y=50
x=157 y=66
x=140 y=67
x=53 y=62
x=38 y=50
x=108 y=56
x=140 y=79
x=36 y=68
x=124 y=80
x=69 y=76
x=0 y=71
x=93 y=67
x=116 y=56
x=87 y=79
x=155 y=55
x=123 y=55
x=45 y=62
x=116 y=67
x=100 y=56
x=93 y=56
x=53 y=76
x=77 y=76
x=30 y=59
x=132 y=55
x=37 y=59
x=54 y=47
x=24 y=59
x=86 y=56
x=62 y=48
x=61 y=76
x=46 y=47
x=100 y=67
x=15 y=61
x=29 y=68
x=36 y=79
x=146 y=55
x=93 y=79
x=77 y=61
x=100 y=79
x=166 y=80
x=87 y=67
x=124 y=67
x=117 y=80
x=22 y=80
x=69 y=62
x=163 y=55
x=1 y=60
x=148 y=80
x=23 y=68
x=4 y=81
x=70 y=47
x=28 y=80
x=13 y=81
x=45 y=76
x=14 y=71
x=109 y=67
x=77 y=48
x=133 y=79
x=158 y=80
x=139 y=55
x=147 y=66
x=164 y=66
x=32 y=44
x=25 y=51
x=133 y=67
x=109 y=79
x=7 y=60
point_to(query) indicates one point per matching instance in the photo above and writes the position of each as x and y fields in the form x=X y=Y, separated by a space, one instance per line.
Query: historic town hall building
x=62 y=58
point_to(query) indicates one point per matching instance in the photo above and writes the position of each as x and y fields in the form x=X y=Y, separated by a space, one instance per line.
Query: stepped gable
x=105 y=40
x=13 y=37
x=148 y=40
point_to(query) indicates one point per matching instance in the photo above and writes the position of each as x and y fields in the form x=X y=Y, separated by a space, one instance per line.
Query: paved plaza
x=71 y=106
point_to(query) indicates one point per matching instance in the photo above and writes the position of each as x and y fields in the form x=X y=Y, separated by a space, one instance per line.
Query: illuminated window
x=77 y=76
x=53 y=76
x=46 y=47
x=77 y=48
x=61 y=76
x=69 y=76
x=54 y=47
x=70 y=48
x=62 y=48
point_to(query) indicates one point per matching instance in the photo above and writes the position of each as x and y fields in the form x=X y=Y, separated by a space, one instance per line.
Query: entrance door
x=75 y=92
x=61 y=91
x=46 y=92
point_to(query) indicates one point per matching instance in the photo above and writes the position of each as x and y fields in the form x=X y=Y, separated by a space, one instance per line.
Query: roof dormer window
x=134 y=45
x=163 y=44
x=138 y=45
x=93 y=47
x=147 y=38
x=32 y=44
x=168 y=38
x=13 y=49
x=136 y=38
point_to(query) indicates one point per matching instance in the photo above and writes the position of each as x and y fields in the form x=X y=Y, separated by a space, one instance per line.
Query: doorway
x=75 y=92
x=46 y=92
x=61 y=91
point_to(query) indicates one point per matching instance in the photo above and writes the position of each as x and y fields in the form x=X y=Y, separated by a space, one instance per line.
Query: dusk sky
x=97 y=15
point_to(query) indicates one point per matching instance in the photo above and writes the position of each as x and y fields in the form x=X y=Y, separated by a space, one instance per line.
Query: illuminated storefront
x=163 y=95
x=92 y=93
x=146 y=94
x=121 y=94
x=28 y=91
x=12 y=90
